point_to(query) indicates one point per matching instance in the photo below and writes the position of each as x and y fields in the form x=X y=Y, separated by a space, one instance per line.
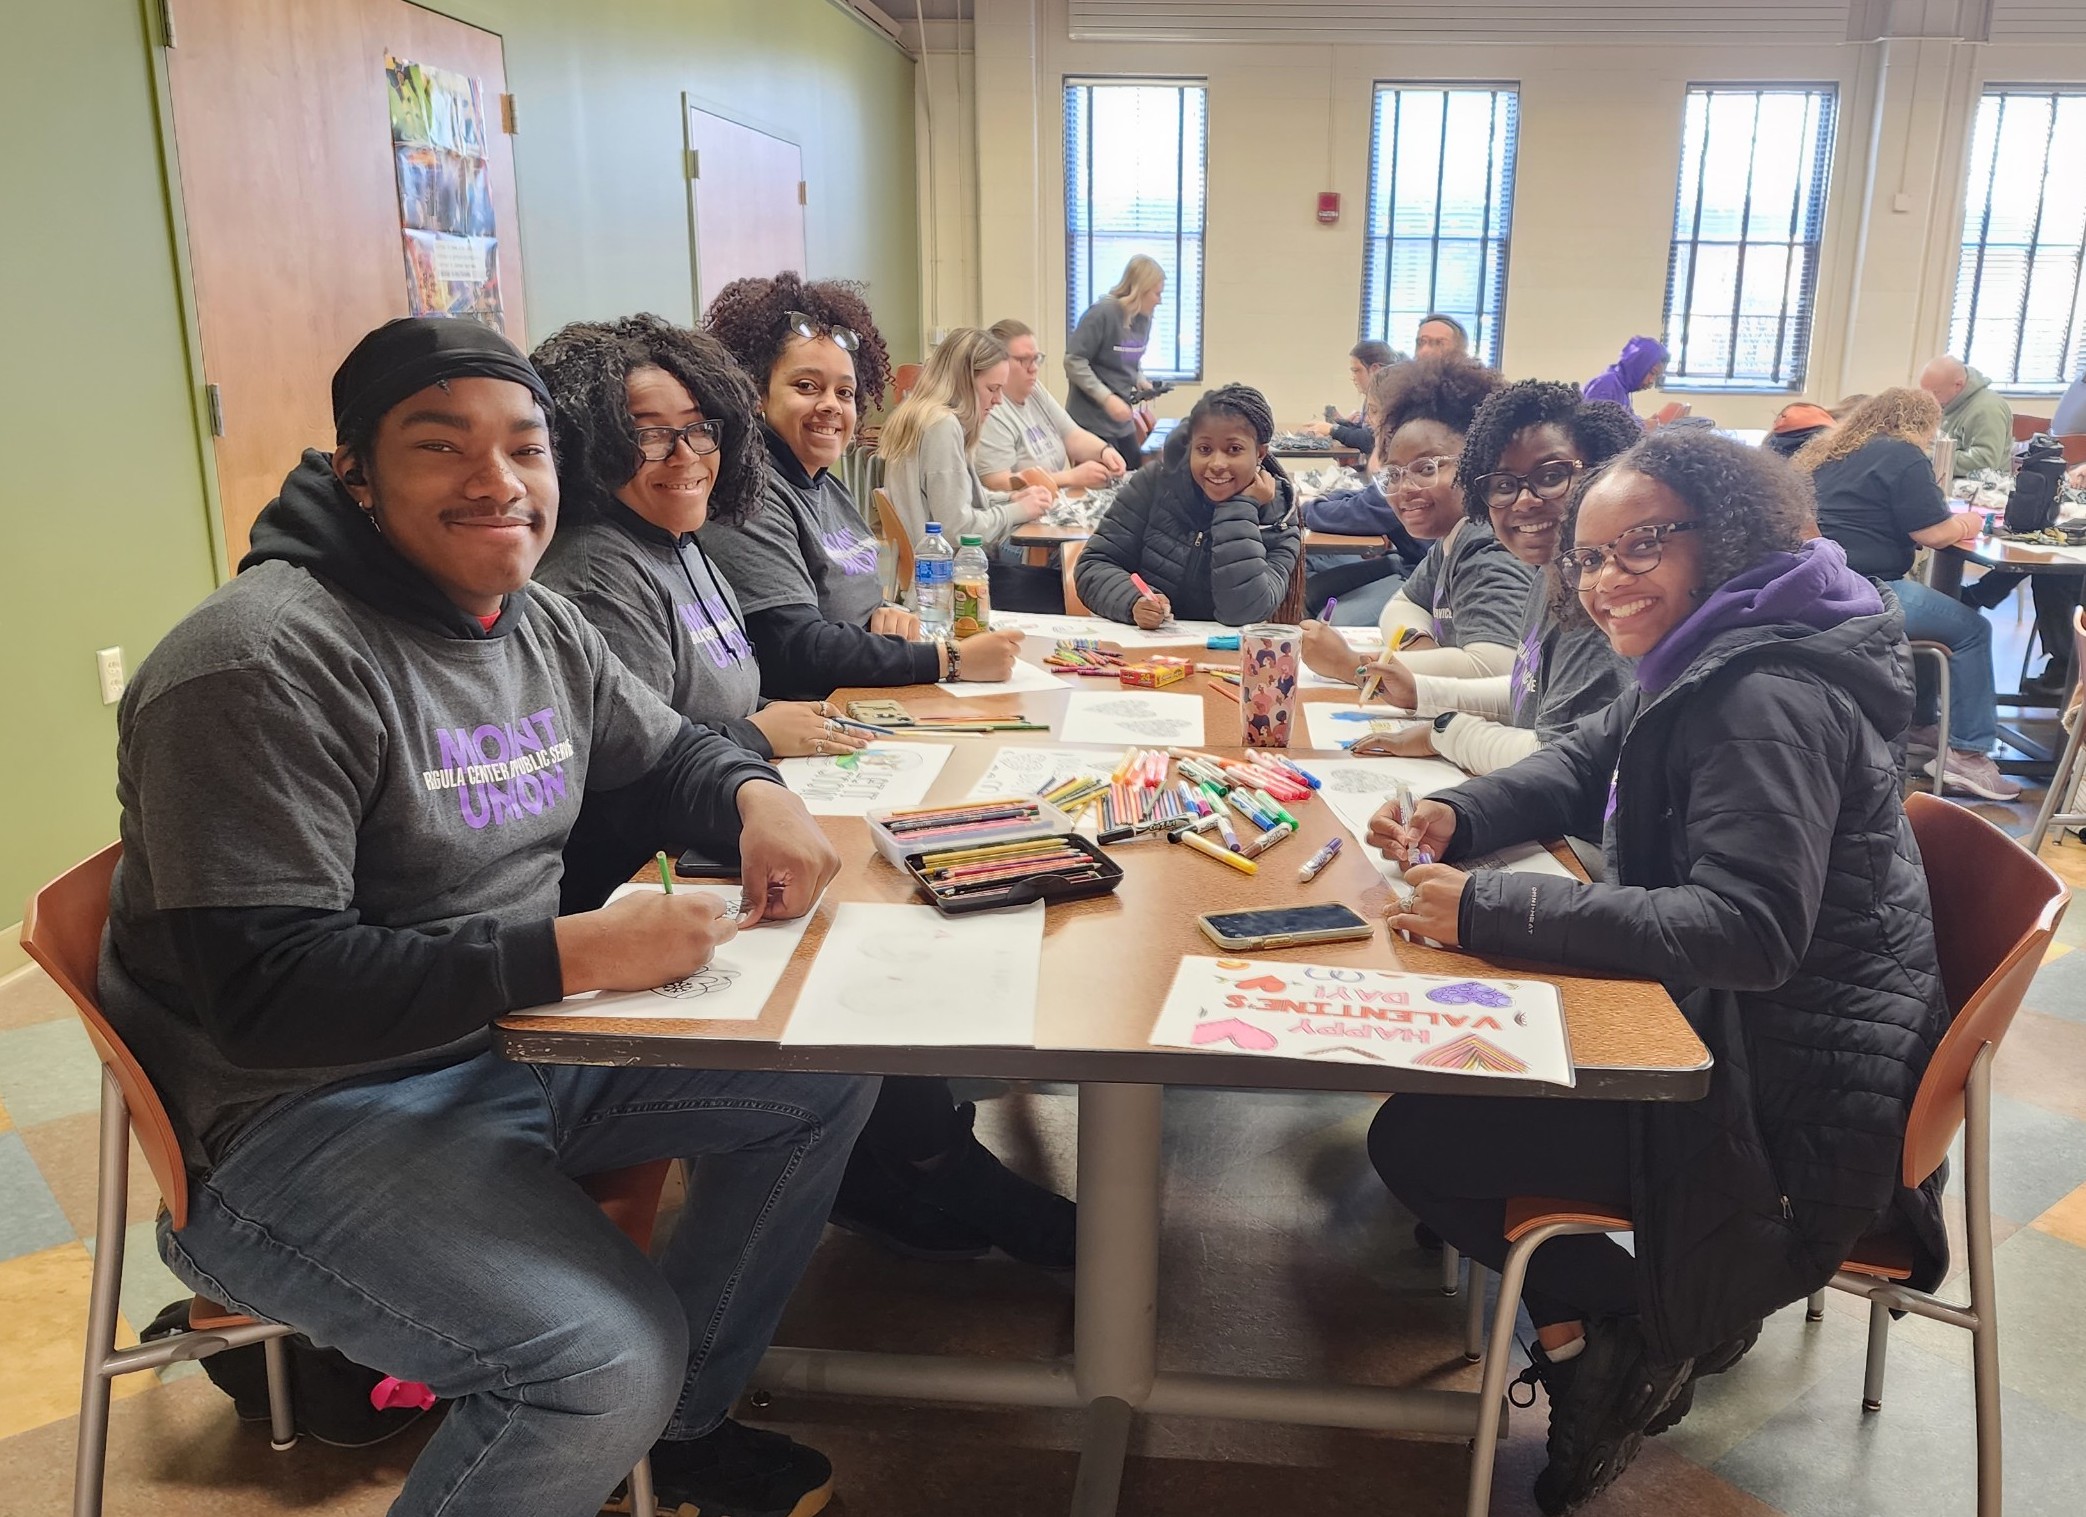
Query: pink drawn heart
x=1232 y=1030
x=1267 y=982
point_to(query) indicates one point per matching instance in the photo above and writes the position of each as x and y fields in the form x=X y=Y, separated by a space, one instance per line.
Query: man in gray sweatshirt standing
x=346 y=783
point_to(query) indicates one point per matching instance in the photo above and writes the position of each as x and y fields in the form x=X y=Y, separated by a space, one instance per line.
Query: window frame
x=2073 y=362
x=1504 y=209
x=1824 y=154
x=1075 y=308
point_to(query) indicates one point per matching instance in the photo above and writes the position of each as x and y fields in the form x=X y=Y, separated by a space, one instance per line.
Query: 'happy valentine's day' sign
x=1489 y=1028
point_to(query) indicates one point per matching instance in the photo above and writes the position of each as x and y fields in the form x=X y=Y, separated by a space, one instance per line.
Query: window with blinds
x=1136 y=175
x=2019 y=316
x=1441 y=207
x=1746 y=226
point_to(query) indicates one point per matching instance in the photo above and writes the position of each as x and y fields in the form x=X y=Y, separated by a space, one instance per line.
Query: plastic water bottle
x=934 y=583
x=973 y=599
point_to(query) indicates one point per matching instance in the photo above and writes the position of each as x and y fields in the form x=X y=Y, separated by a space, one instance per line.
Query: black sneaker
x=736 y=1471
x=1023 y=1220
x=1600 y=1401
x=1715 y=1362
x=880 y=1199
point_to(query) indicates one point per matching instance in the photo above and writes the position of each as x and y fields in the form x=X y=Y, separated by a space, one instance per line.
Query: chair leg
x=1451 y=1270
x=1879 y=1345
x=1941 y=754
x=1814 y=1309
x=282 y=1426
x=644 y=1502
x=2061 y=783
x=104 y=1291
x=1474 y=1314
x=1984 y=1295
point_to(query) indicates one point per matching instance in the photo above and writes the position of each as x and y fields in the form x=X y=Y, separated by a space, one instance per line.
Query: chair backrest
x=902 y=381
x=890 y=526
x=62 y=931
x=2074 y=445
x=1068 y=560
x=1996 y=907
x=2026 y=427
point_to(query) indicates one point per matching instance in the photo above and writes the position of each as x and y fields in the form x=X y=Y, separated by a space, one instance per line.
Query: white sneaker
x=1974 y=774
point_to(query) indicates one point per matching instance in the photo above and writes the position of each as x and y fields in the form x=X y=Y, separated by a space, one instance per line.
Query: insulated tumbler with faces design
x=1270 y=655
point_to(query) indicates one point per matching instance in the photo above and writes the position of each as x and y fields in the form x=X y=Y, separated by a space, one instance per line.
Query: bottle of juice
x=973 y=588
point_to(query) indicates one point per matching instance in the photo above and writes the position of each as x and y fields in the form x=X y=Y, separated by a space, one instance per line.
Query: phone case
x=1287 y=939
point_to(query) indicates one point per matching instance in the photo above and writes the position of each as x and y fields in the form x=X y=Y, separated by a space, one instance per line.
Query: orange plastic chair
x=62 y=931
x=1996 y=908
x=1068 y=560
x=902 y=381
x=890 y=526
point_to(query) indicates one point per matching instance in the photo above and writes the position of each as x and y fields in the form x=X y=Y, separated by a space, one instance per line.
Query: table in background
x=1040 y=537
x=1946 y=575
x=1105 y=970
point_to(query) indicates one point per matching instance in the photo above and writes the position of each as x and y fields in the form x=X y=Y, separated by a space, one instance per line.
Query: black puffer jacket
x=1763 y=869
x=1230 y=562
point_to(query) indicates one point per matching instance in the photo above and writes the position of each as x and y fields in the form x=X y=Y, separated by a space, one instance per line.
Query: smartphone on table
x=1283 y=926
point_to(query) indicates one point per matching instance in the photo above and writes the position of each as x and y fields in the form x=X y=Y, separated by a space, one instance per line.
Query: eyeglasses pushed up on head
x=656 y=444
x=847 y=339
x=1546 y=481
x=1637 y=551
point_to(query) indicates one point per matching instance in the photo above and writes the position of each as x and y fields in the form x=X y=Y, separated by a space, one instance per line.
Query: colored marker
x=1325 y=612
x=1222 y=855
x=1315 y=865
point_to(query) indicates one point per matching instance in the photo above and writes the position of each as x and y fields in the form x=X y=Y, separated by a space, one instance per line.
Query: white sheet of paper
x=1025 y=676
x=1123 y=718
x=732 y=987
x=1487 y=1029
x=1122 y=634
x=1024 y=771
x=1330 y=724
x=907 y=976
x=855 y=784
x=1355 y=788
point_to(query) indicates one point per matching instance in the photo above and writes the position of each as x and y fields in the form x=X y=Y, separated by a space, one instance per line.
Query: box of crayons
x=958 y=881
x=1150 y=676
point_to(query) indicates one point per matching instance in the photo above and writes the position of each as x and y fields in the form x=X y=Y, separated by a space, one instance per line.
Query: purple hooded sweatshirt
x=1621 y=379
x=1812 y=587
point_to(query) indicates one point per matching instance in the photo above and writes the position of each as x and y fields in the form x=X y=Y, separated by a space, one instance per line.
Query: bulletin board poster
x=445 y=205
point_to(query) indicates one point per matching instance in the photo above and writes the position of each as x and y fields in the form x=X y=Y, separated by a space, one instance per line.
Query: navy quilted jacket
x=1230 y=562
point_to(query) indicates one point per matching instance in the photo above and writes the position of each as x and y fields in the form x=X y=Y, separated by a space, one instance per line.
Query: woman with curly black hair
x=1761 y=867
x=1210 y=529
x=805 y=567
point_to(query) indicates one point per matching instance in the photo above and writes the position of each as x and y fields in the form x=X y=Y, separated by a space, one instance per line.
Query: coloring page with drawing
x=1132 y=719
x=1355 y=789
x=1490 y=1029
x=855 y=784
x=907 y=976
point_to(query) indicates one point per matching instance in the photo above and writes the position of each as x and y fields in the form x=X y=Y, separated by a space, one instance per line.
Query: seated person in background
x=622 y=393
x=1364 y=360
x=1211 y=527
x=1761 y=867
x=1028 y=429
x=1878 y=500
x=1642 y=363
x=1564 y=668
x=1795 y=425
x=1439 y=336
x=346 y=780
x=1974 y=416
x=805 y=566
x=1422 y=408
x=926 y=446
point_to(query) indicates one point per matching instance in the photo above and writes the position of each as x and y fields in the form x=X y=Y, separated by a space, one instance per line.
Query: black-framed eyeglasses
x=847 y=339
x=1636 y=551
x=1545 y=482
x=656 y=444
x=1421 y=470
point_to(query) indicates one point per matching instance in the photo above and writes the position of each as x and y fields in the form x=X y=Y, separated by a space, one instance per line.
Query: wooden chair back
x=2074 y=445
x=62 y=931
x=1996 y=907
x=1068 y=560
x=891 y=528
x=902 y=381
x=2026 y=427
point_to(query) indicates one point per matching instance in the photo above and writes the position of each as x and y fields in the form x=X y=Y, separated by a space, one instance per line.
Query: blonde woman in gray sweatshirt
x=927 y=444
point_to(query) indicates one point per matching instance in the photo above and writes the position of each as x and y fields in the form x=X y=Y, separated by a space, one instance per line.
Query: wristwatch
x=1441 y=723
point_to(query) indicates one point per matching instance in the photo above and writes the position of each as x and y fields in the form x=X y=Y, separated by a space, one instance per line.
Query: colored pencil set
x=921 y=827
x=1001 y=874
x=1085 y=656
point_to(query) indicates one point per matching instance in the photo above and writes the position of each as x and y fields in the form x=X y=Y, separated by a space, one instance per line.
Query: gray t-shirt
x=1474 y=589
x=1104 y=357
x=1026 y=434
x=1561 y=673
x=935 y=482
x=805 y=545
x=663 y=611
x=288 y=745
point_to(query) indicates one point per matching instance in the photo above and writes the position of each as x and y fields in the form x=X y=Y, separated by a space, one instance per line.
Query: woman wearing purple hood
x=1643 y=361
x=1760 y=865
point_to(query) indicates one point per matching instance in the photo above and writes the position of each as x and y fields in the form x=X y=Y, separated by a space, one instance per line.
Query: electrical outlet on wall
x=108 y=665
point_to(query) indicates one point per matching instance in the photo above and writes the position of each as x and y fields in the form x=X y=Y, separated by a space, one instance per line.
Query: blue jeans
x=428 y=1226
x=1930 y=616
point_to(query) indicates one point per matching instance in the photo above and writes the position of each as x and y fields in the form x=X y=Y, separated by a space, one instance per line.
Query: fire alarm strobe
x=1329 y=206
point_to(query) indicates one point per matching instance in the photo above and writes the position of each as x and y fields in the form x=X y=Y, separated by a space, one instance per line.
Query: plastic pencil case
x=1048 y=822
x=1044 y=887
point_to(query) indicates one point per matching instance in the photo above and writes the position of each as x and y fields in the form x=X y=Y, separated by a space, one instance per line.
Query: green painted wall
x=104 y=529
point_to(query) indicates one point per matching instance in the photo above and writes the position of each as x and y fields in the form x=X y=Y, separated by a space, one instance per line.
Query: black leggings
x=914 y=1119
x=1456 y=1160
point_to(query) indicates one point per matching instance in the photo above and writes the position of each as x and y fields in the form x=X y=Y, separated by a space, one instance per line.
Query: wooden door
x=746 y=196
x=283 y=135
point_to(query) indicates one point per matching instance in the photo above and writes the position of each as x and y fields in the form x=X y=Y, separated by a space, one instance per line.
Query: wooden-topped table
x=1998 y=553
x=1106 y=966
x=1041 y=536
